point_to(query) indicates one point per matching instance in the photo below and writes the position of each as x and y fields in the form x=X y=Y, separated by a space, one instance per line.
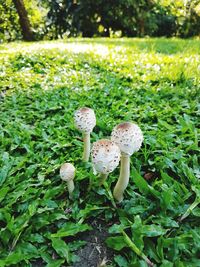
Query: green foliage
x=187 y=15
x=9 y=21
x=126 y=18
x=53 y=19
x=9 y=26
x=154 y=82
x=95 y=18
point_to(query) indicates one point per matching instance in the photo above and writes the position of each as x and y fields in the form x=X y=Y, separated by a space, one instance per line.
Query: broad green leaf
x=35 y=237
x=139 y=181
x=71 y=229
x=4 y=173
x=33 y=207
x=151 y=249
x=3 y=192
x=142 y=184
x=196 y=212
x=166 y=263
x=121 y=261
x=27 y=250
x=76 y=244
x=159 y=248
x=153 y=230
x=55 y=263
x=116 y=229
x=165 y=221
x=165 y=125
x=116 y=242
x=14 y=258
x=61 y=248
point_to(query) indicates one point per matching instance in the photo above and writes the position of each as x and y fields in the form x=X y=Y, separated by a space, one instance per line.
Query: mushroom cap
x=128 y=136
x=67 y=172
x=105 y=156
x=85 y=119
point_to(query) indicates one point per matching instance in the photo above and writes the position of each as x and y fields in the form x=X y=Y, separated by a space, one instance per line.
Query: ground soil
x=95 y=253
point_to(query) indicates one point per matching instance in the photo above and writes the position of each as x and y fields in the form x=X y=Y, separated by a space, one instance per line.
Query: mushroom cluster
x=85 y=121
x=126 y=138
x=105 y=157
x=67 y=174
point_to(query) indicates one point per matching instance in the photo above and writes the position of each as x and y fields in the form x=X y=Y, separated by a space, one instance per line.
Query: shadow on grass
x=164 y=46
x=157 y=45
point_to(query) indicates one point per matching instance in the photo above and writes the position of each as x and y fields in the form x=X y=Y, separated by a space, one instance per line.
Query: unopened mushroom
x=128 y=136
x=67 y=173
x=85 y=121
x=105 y=157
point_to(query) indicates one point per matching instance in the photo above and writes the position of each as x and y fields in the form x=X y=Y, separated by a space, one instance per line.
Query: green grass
x=153 y=82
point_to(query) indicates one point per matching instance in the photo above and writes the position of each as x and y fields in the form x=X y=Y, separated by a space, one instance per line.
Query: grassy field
x=153 y=82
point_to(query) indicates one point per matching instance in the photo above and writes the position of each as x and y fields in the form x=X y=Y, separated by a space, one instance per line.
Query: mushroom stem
x=86 y=151
x=70 y=185
x=123 y=180
x=103 y=178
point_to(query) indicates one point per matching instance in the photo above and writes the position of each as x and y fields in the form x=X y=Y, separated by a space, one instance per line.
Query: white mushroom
x=85 y=121
x=67 y=173
x=105 y=157
x=129 y=138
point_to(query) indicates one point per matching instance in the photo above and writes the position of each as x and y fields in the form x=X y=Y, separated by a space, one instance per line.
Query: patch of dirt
x=150 y=175
x=95 y=253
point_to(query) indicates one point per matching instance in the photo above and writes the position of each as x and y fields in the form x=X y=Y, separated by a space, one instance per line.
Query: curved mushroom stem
x=70 y=185
x=123 y=180
x=86 y=151
x=102 y=178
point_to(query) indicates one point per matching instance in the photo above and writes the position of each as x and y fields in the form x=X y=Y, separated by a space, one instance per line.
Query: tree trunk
x=24 y=20
x=141 y=27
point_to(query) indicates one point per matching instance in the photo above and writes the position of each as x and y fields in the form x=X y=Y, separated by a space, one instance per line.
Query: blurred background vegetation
x=52 y=19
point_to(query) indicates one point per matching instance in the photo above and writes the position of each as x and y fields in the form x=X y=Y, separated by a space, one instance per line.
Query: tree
x=9 y=26
x=187 y=14
x=87 y=17
x=54 y=19
x=24 y=20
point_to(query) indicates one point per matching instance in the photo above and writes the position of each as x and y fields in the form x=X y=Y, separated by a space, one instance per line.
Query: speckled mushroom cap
x=85 y=119
x=67 y=172
x=128 y=136
x=105 y=156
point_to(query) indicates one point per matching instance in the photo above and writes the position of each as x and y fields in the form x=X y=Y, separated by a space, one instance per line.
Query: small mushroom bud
x=85 y=121
x=128 y=136
x=67 y=173
x=105 y=157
